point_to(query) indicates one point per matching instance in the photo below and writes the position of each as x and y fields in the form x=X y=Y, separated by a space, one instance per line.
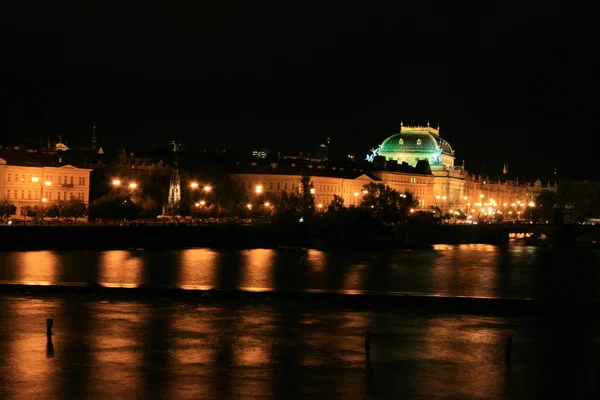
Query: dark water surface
x=159 y=349
x=511 y=271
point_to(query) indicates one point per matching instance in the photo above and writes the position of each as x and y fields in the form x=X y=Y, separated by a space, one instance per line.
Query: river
x=203 y=348
x=477 y=270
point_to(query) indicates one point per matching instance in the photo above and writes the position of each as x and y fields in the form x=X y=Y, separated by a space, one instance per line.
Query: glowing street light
x=35 y=179
x=312 y=190
x=466 y=198
x=531 y=204
x=194 y=185
x=481 y=196
x=249 y=206
x=355 y=194
x=319 y=205
x=412 y=210
x=258 y=189
x=116 y=182
x=443 y=197
x=48 y=183
x=267 y=204
x=132 y=185
x=44 y=199
x=365 y=192
x=207 y=188
x=202 y=202
x=438 y=197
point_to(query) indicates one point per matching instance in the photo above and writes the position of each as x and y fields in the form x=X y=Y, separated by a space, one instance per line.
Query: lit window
x=9 y=176
x=285 y=186
x=16 y=194
x=278 y=186
x=401 y=141
x=22 y=194
x=270 y=185
x=29 y=195
x=418 y=142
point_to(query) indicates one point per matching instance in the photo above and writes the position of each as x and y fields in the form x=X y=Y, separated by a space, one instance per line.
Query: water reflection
x=258 y=268
x=462 y=270
x=199 y=269
x=120 y=268
x=37 y=267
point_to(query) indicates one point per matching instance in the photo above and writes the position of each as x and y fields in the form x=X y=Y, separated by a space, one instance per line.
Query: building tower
x=94 y=141
x=121 y=154
x=174 y=186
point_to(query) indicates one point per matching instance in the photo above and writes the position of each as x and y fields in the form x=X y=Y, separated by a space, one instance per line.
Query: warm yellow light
x=510 y=212
x=48 y=183
x=531 y=204
x=194 y=185
x=451 y=211
x=512 y=204
x=259 y=189
x=518 y=201
x=35 y=179
x=356 y=194
x=504 y=204
x=481 y=196
x=197 y=204
x=207 y=188
x=320 y=205
x=365 y=192
x=443 y=197
x=312 y=190
x=44 y=199
x=249 y=206
x=438 y=197
x=202 y=202
x=267 y=204
x=412 y=210
x=469 y=204
x=116 y=182
x=132 y=185
x=466 y=197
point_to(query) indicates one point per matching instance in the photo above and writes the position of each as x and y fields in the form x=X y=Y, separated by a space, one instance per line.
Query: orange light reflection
x=120 y=269
x=40 y=267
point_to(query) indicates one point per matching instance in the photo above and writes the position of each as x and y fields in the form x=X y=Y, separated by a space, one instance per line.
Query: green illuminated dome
x=415 y=143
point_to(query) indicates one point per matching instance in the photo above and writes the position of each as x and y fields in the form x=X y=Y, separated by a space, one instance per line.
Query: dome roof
x=416 y=140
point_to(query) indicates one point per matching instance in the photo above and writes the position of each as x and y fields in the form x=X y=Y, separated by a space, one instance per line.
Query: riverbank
x=230 y=236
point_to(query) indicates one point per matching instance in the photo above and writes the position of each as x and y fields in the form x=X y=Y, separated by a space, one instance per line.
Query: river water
x=476 y=270
x=149 y=348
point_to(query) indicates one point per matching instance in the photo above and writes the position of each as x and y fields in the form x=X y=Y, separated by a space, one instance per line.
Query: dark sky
x=507 y=82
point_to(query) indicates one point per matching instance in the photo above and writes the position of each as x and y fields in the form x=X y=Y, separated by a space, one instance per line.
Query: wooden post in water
x=49 y=325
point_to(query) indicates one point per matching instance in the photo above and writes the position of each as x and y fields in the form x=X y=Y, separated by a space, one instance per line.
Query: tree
x=56 y=209
x=117 y=205
x=75 y=208
x=308 y=198
x=386 y=204
x=147 y=208
x=7 y=209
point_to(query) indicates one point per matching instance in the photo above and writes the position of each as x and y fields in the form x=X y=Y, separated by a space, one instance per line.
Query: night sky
x=507 y=83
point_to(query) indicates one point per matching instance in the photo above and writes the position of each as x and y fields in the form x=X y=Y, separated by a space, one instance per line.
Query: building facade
x=33 y=179
x=445 y=186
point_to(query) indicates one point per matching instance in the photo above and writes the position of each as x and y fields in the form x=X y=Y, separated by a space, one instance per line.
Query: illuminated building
x=34 y=179
x=417 y=160
x=453 y=187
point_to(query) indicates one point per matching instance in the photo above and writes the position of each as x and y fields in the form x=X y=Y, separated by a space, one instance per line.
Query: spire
x=401 y=124
x=93 y=142
x=428 y=122
x=505 y=169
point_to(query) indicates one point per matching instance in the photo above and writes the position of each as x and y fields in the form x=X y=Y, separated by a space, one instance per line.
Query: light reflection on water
x=447 y=270
x=165 y=349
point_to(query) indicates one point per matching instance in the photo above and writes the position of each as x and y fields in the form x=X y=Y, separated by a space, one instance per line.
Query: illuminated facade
x=447 y=187
x=30 y=179
x=327 y=182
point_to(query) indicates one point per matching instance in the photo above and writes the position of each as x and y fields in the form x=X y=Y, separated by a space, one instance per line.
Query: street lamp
x=132 y=185
x=267 y=204
x=249 y=206
x=312 y=190
x=258 y=189
x=207 y=188
x=194 y=185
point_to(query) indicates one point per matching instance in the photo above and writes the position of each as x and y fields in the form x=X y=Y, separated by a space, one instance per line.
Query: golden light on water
x=120 y=269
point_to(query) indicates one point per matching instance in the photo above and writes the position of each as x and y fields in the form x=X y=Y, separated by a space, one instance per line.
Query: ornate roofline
x=424 y=129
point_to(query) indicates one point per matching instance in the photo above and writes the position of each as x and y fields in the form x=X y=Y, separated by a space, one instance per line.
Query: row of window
x=271 y=186
x=33 y=195
x=62 y=179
